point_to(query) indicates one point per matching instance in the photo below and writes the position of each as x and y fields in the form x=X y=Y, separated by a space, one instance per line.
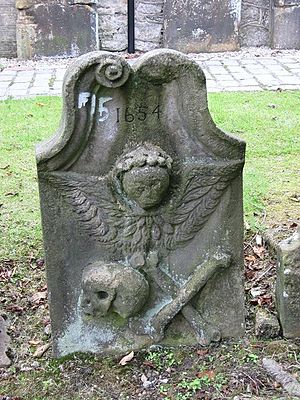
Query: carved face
x=146 y=185
x=112 y=287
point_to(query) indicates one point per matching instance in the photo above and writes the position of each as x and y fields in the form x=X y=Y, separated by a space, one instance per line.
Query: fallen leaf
x=295 y=198
x=38 y=297
x=40 y=104
x=257 y=291
x=259 y=251
x=250 y=258
x=41 y=350
x=207 y=374
x=266 y=299
x=126 y=358
x=11 y=194
x=148 y=364
x=14 y=308
x=34 y=342
x=202 y=352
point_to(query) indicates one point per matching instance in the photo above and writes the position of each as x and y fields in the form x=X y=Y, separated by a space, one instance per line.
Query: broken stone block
x=266 y=325
x=4 y=343
x=141 y=199
x=288 y=285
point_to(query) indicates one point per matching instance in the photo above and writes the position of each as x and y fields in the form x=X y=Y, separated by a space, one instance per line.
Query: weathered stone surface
x=4 y=343
x=288 y=286
x=195 y=26
x=266 y=325
x=287 y=26
x=256 y=23
x=50 y=28
x=141 y=199
x=113 y=25
x=8 y=18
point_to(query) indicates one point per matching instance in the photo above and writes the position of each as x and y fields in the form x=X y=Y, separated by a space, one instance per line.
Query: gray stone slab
x=50 y=28
x=286 y=27
x=213 y=63
x=242 y=88
x=288 y=286
x=268 y=61
x=194 y=26
x=4 y=343
x=19 y=85
x=267 y=79
x=4 y=84
x=249 y=61
x=242 y=76
x=141 y=199
x=236 y=69
x=38 y=90
x=290 y=80
x=218 y=70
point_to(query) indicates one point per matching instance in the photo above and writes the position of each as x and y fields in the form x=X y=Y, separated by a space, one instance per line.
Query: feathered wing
x=200 y=193
x=92 y=200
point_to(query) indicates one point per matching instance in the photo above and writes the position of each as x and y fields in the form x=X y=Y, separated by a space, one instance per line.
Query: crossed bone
x=181 y=296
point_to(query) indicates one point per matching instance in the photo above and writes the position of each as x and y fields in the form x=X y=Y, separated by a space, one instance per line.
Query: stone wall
x=271 y=23
x=113 y=24
x=256 y=23
x=8 y=16
x=50 y=28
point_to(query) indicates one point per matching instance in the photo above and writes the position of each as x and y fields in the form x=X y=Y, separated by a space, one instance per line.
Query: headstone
x=141 y=199
x=286 y=25
x=8 y=18
x=288 y=285
x=4 y=344
x=193 y=26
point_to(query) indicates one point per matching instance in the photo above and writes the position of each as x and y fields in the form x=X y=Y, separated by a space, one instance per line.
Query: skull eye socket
x=102 y=295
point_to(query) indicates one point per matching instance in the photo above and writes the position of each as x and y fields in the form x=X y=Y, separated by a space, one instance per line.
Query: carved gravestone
x=141 y=198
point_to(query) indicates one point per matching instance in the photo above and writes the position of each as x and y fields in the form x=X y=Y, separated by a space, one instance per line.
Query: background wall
x=71 y=27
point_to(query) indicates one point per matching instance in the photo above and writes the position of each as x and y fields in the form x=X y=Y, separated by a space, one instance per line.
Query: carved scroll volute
x=85 y=78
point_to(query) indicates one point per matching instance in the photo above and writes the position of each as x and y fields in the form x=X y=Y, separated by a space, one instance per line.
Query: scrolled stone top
x=179 y=84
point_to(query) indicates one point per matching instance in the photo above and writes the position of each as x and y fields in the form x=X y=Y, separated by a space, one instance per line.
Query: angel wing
x=200 y=192
x=93 y=202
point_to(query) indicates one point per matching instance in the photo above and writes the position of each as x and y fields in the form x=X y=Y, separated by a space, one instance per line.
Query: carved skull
x=113 y=287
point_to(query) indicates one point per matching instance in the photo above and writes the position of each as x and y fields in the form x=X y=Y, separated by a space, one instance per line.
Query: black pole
x=130 y=21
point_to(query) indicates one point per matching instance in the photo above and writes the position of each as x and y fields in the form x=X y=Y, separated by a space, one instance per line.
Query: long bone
x=181 y=296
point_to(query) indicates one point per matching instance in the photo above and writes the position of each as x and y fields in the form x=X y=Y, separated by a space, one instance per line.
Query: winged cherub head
x=145 y=174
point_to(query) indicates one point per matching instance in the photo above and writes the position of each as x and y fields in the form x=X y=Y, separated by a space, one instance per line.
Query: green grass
x=268 y=121
x=22 y=125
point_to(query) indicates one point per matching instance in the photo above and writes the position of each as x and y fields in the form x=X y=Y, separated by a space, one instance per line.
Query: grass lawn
x=270 y=124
